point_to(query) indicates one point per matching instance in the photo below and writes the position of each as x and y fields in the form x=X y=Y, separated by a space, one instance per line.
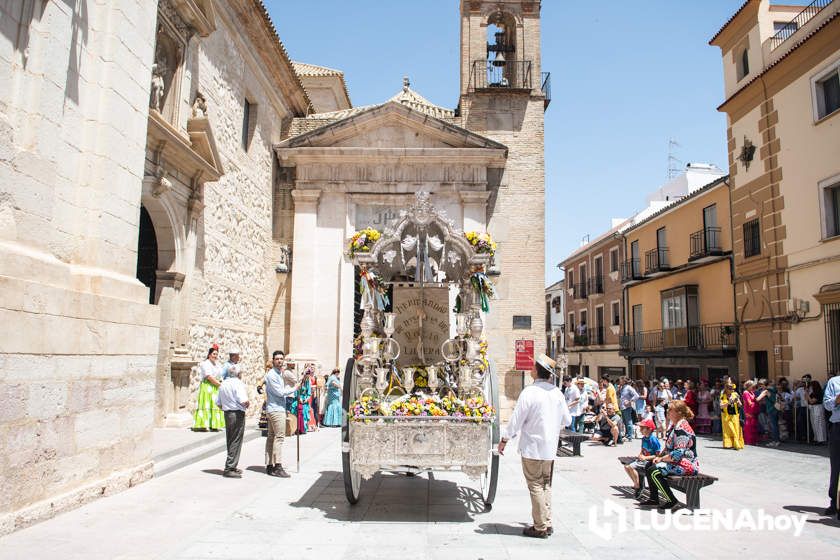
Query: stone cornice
x=256 y=24
x=198 y=14
x=303 y=196
x=184 y=154
x=491 y=157
x=474 y=197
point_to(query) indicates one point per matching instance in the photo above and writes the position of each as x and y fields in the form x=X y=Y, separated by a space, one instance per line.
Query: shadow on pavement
x=786 y=446
x=217 y=472
x=501 y=529
x=829 y=520
x=394 y=498
x=256 y=468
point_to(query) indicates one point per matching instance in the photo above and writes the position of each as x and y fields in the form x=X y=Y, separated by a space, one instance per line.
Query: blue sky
x=626 y=77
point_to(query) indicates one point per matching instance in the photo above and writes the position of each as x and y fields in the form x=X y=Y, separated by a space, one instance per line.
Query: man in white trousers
x=540 y=413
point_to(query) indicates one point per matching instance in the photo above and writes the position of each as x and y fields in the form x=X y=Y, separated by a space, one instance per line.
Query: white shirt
x=232 y=394
x=572 y=395
x=799 y=397
x=208 y=368
x=539 y=415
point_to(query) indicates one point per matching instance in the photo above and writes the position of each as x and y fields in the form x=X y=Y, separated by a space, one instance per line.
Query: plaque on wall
x=522 y=322
x=422 y=323
x=376 y=216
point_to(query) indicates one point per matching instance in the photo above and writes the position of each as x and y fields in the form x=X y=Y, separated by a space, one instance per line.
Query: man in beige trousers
x=540 y=413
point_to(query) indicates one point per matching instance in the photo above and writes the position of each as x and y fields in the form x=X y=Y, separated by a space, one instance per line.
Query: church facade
x=170 y=179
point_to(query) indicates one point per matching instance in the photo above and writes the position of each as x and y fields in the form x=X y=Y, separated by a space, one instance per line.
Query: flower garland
x=362 y=241
x=483 y=288
x=481 y=242
x=421 y=405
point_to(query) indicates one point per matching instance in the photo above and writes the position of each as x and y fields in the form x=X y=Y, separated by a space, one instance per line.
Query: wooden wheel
x=352 y=479
x=490 y=478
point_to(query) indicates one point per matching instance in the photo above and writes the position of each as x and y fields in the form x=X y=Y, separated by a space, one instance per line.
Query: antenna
x=674 y=164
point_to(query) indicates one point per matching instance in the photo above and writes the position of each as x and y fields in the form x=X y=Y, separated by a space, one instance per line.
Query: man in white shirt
x=233 y=400
x=232 y=363
x=574 y=400
x=540 y=413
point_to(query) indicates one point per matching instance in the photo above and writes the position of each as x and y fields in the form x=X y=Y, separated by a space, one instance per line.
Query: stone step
x=210 y=444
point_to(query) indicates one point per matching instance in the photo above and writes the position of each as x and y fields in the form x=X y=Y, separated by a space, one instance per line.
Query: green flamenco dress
x=208 y=415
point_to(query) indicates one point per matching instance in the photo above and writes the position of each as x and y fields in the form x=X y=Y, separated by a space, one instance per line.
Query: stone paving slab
x=195 y=513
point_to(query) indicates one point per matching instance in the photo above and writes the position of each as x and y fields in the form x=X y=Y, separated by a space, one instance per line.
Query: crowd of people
x=294 y=404
x=762 y=412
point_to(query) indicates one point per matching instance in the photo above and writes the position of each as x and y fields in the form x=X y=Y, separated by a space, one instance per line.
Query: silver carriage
x=433 y=271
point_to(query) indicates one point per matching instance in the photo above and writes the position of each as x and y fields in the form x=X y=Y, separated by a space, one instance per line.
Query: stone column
x=475 y=210
x=304 y=296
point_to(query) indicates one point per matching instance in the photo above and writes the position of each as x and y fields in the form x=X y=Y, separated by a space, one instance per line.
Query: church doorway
x=147 y=254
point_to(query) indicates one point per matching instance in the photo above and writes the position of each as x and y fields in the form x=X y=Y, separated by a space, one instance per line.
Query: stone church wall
x=78 y=339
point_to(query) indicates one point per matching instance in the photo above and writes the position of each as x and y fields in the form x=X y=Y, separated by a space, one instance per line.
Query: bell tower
x=504 y=94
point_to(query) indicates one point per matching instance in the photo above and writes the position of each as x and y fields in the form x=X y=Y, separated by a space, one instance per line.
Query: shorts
x=605 y=433
x=638 y=464
x=660 y=416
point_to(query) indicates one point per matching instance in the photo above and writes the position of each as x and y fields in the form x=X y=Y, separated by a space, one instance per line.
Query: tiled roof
x=406 y=96
x=284 y=54
x=595 y=242
x=725 y=25
x=305 y=69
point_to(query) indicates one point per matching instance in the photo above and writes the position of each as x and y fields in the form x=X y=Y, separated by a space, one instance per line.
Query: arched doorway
x=147 y=254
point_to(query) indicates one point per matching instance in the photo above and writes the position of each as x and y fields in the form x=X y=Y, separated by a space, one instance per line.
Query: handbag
x=731 y=410
x=291 y=424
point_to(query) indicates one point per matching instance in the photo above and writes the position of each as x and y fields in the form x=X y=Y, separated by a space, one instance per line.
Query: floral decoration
x=362 y=241
x=421 y=405
x=372 y=289
x=481 y=242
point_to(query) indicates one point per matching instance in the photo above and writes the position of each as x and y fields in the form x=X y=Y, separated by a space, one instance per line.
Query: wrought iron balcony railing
x=513 y=74
x=631 y=270
x=596 y=336
x=705 y=243
x=580 y=290
x=796 y=23
x=546 y=88
x=656 y=260
x=596 y=285
x=718 y=337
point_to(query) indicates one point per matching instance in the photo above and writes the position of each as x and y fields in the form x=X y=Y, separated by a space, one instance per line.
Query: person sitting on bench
x=607 y=423
x=650 y=448
x=678 y=458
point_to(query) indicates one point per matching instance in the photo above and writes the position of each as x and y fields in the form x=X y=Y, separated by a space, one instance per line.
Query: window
x=827 y=93
x=616 y=313
x=680 y=308
x=831 y=210
x=249 y=123
x=522 y=322
x=614 y=260
x=744 y=64
x=787 y=26
x=832 y=337
x=752 y=238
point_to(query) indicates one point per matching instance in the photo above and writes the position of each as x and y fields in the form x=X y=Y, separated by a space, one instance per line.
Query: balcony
x=590 y=337
x=580 y=290
x=797 y=23
x=513 y=75
x=656 y=261
x=546 y=88
x=631 y=270
x=705 y=243
x=718 y=338
x=596 y=285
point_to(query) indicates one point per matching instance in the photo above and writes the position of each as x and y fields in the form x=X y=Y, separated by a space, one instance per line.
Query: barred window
x=752 y=238
x=832 y=337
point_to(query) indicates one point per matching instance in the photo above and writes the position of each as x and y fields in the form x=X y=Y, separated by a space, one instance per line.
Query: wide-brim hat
x=546 y=362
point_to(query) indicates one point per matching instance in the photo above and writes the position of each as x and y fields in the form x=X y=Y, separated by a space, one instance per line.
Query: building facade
x=483 y=163
x=678 y=290
x=170 y=179
x=555 y=318
x=782 y=101
x=594 y=308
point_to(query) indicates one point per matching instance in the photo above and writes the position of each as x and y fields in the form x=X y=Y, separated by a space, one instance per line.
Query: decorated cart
x=421 y=393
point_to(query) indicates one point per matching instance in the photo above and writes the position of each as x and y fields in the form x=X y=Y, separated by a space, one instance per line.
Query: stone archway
x=162 y=266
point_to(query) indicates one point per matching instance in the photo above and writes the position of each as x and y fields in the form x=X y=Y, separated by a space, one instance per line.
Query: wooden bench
x=572 y=438
x=690 y=485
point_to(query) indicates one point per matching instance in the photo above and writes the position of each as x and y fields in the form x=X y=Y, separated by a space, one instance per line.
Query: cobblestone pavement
x=195 y=513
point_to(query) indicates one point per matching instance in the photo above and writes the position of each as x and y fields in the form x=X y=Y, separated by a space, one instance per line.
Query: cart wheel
x=352 y=479
x=490 y=478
